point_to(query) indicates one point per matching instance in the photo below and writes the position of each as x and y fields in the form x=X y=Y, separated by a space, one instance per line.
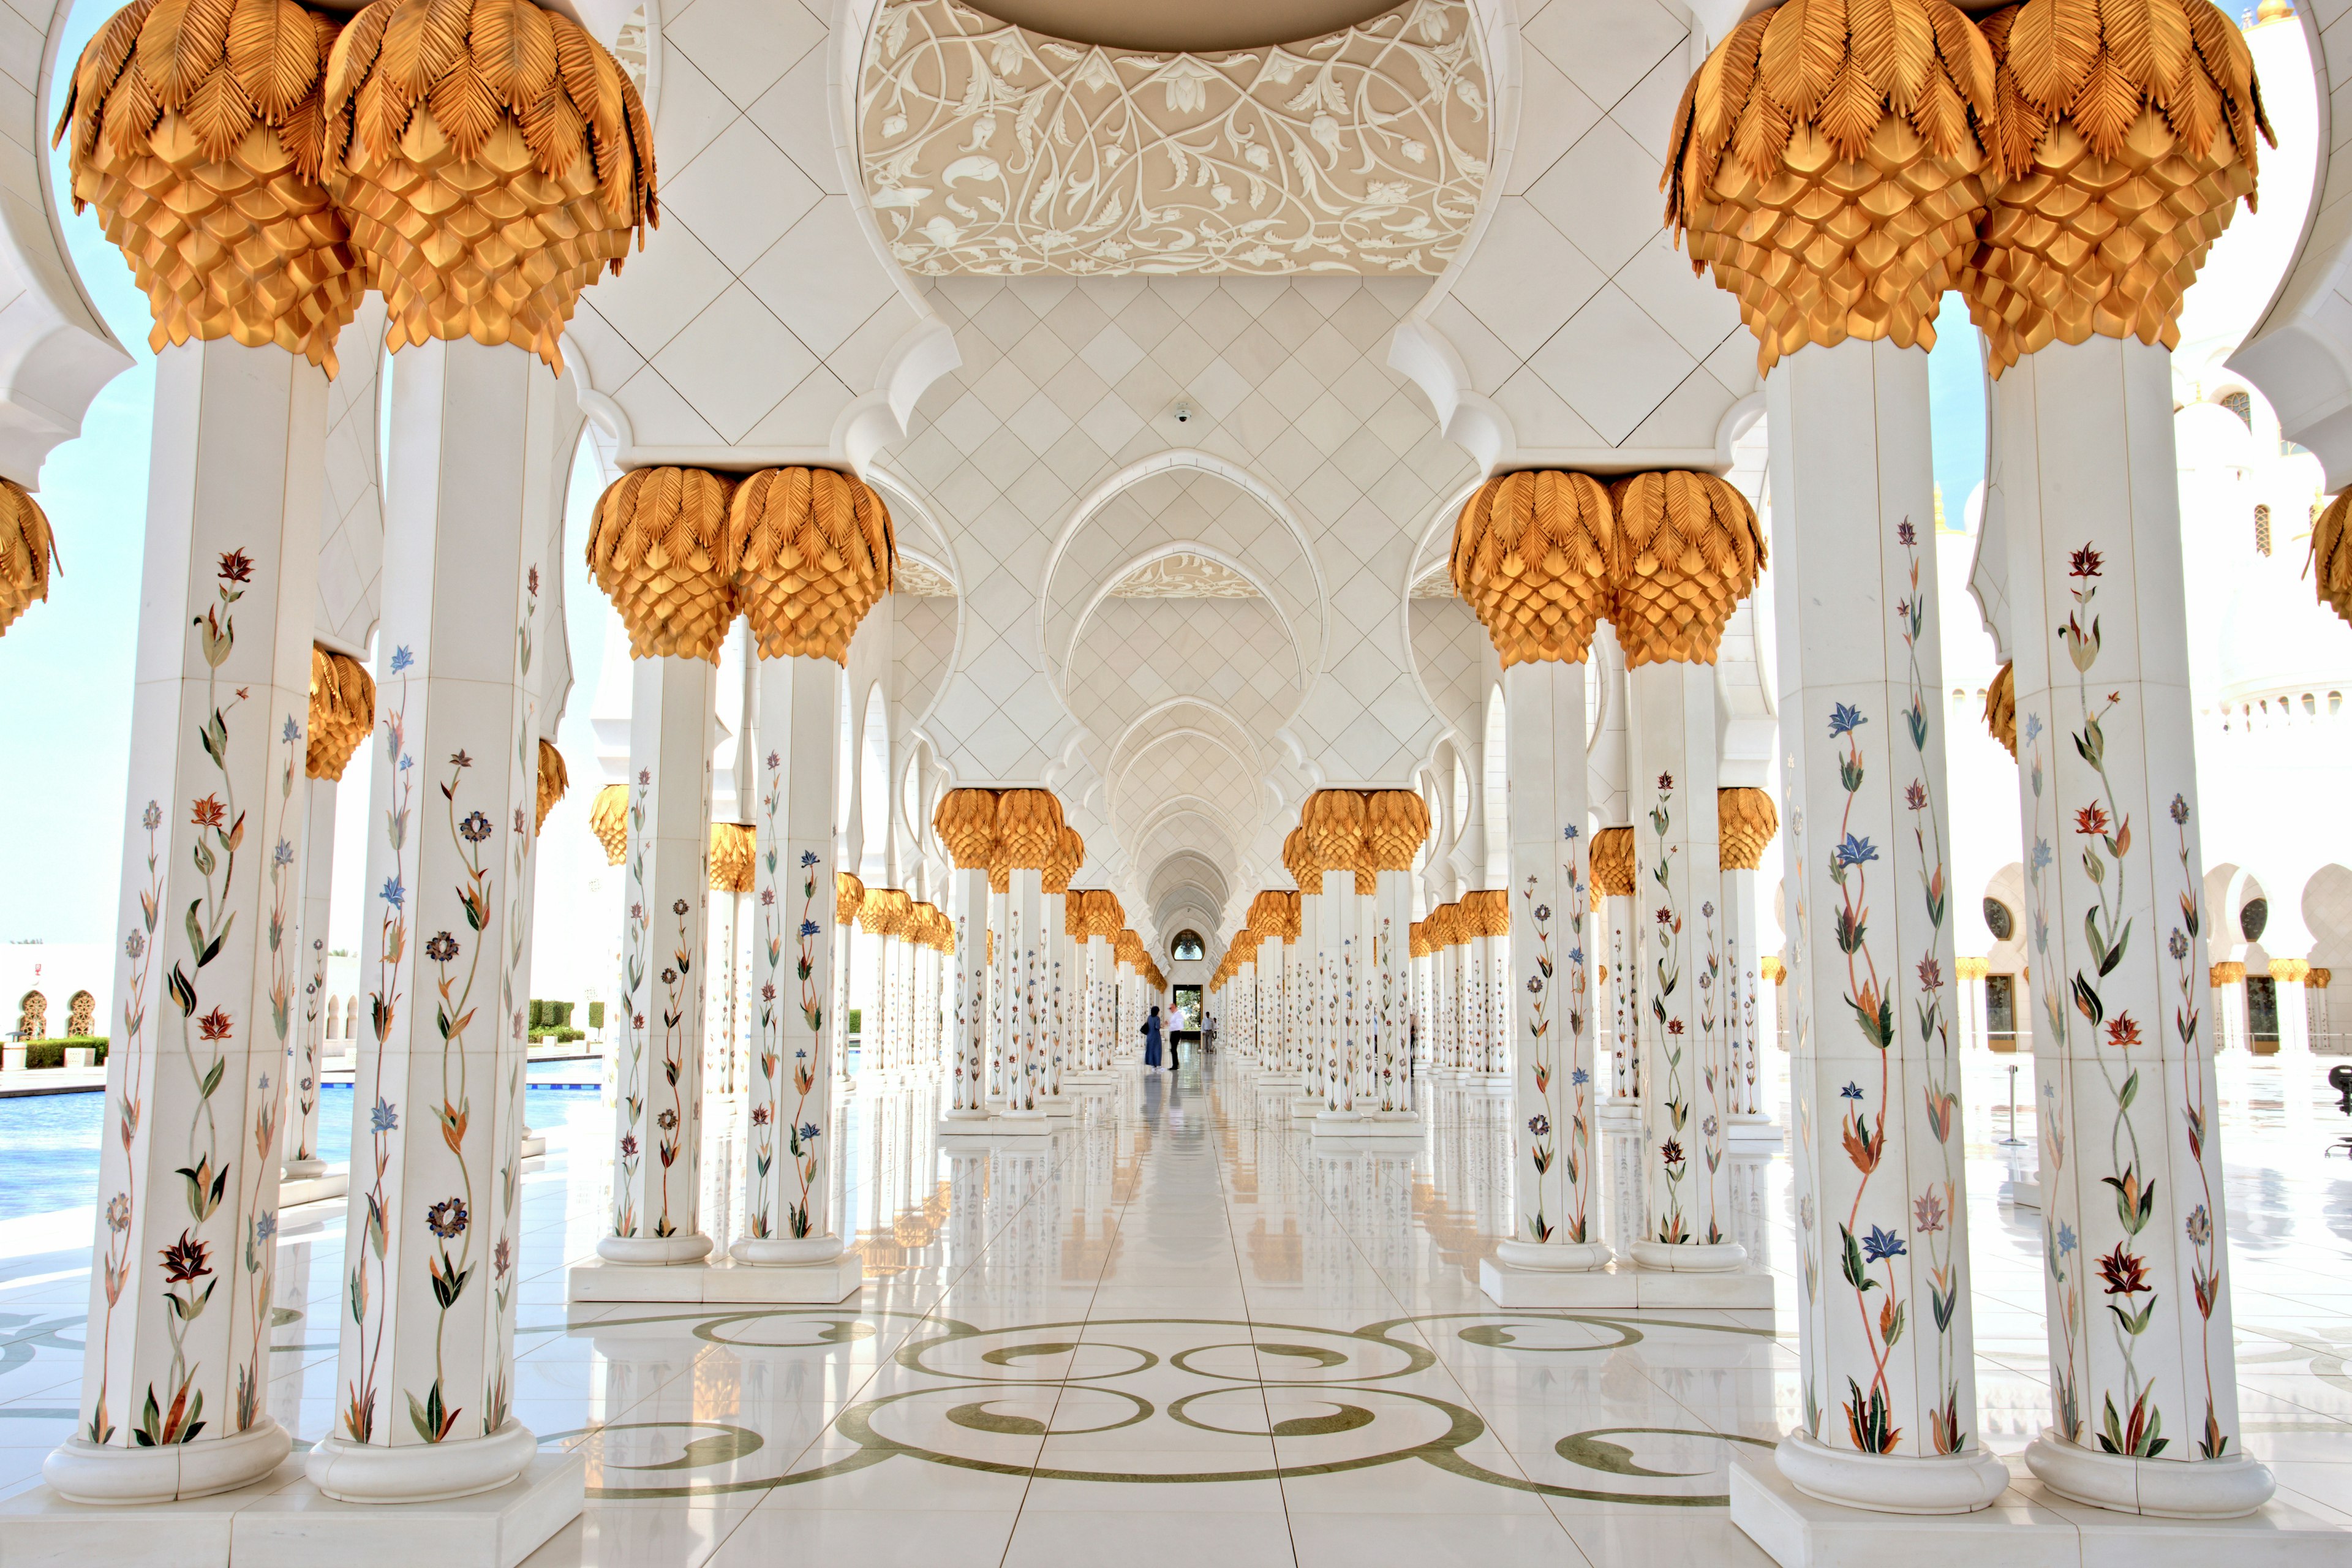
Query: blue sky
x=66 y=666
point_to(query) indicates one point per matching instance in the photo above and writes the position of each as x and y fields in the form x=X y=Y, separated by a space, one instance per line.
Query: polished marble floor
x=1178 y=1332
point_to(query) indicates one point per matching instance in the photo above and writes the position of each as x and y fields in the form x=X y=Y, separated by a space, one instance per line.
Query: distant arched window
x=334 y=1017
x=81 y=1014
x=33 y=1016
x=2253 y=919
x=2241 y=404
x=1999 y=921
x=1188 y=948
x=2262 y=530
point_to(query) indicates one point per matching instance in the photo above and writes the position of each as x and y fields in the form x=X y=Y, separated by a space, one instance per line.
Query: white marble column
x=1548 y=1046
x=425 y=1367
x=790 y=1141
x=967 y=991
x=1884 y=1335
x=2144 y=1375
x=1685 y=1074
x=176 y=1364
x=301 y=1079
x=1024 y=950
x=849 y=894
x=1338 y=989
x=656 y=1178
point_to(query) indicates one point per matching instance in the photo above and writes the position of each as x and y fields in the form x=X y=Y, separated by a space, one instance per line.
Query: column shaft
x=427 y=1360
x=1549 y=1038
x=2143 y=1373
x=657 y=1180
x=1685 y=1084
x=318 y=903
x=794 y=883
x=176 y=1363
x=1885 y=1340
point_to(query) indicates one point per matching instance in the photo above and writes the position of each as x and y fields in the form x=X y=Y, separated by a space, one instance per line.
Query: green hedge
x=857 y=1017
x=564 y=1035
x=552 y=1015
x=595 y=1014
x=52 y=1053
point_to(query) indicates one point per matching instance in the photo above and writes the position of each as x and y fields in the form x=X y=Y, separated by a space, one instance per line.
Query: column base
x=331 y=1183
x=99 y=1473
x=1553 y=1257
x=655 y=1251
x=730 y=1281
x=2029 y=1527
x=964 y=1117
x=1305 y=1110
x=1891 y=1483
x=1753 y=1131
x=302 y=1170
x=2228 y=1487
x=1286 y=1083
x=1616 y=1287
x=1058 y=1105
x=1619 y=1113
x=1022 y=1126
x=785 y=1252
x=1716 y=1257
x=534 y=1144
x=1380 y=1125
x=283 y=1522
x=420 y=1472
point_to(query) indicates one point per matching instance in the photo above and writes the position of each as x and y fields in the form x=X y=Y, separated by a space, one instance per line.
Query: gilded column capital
x=884 y=911
x=1745 y=820
x=1613 y=863
x=1104 y=916
x=1831 y=171
x=1069 y=854
x=2127 y=137
x=2290 y=971
x=1492 y=911
x=554 y=781
x=608 y=819
x=814 y=551
x=490 y=165
x=195 y=133
x=1028 y=829
x=1773 y=970
x=1417 y=938
x=2229 y=971
x=1688 y=549
x=2318 y=978
x=1299 y=859
x=28 y=551
x=342 y=713
x=1332 y=821
x=733 y=857
x=2331 y=563
x=1972 y=968
x=965 y=820
x=849 y=894
x=1532 y=555
x=1396 y=825
x=659 y=548
x=2001 y=709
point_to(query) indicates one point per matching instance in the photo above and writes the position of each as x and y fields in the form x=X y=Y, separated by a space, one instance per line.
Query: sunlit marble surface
x=1181 y=1332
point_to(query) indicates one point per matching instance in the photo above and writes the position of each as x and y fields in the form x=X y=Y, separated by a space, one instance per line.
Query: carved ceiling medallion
x=918 y=579
x=990 y=149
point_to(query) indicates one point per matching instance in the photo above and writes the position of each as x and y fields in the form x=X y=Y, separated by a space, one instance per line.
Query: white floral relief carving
x=990 y=149
x=1184 y=577
x=919 y=578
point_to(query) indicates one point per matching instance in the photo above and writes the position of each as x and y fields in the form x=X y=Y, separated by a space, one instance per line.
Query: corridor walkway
x=1178 y=1332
